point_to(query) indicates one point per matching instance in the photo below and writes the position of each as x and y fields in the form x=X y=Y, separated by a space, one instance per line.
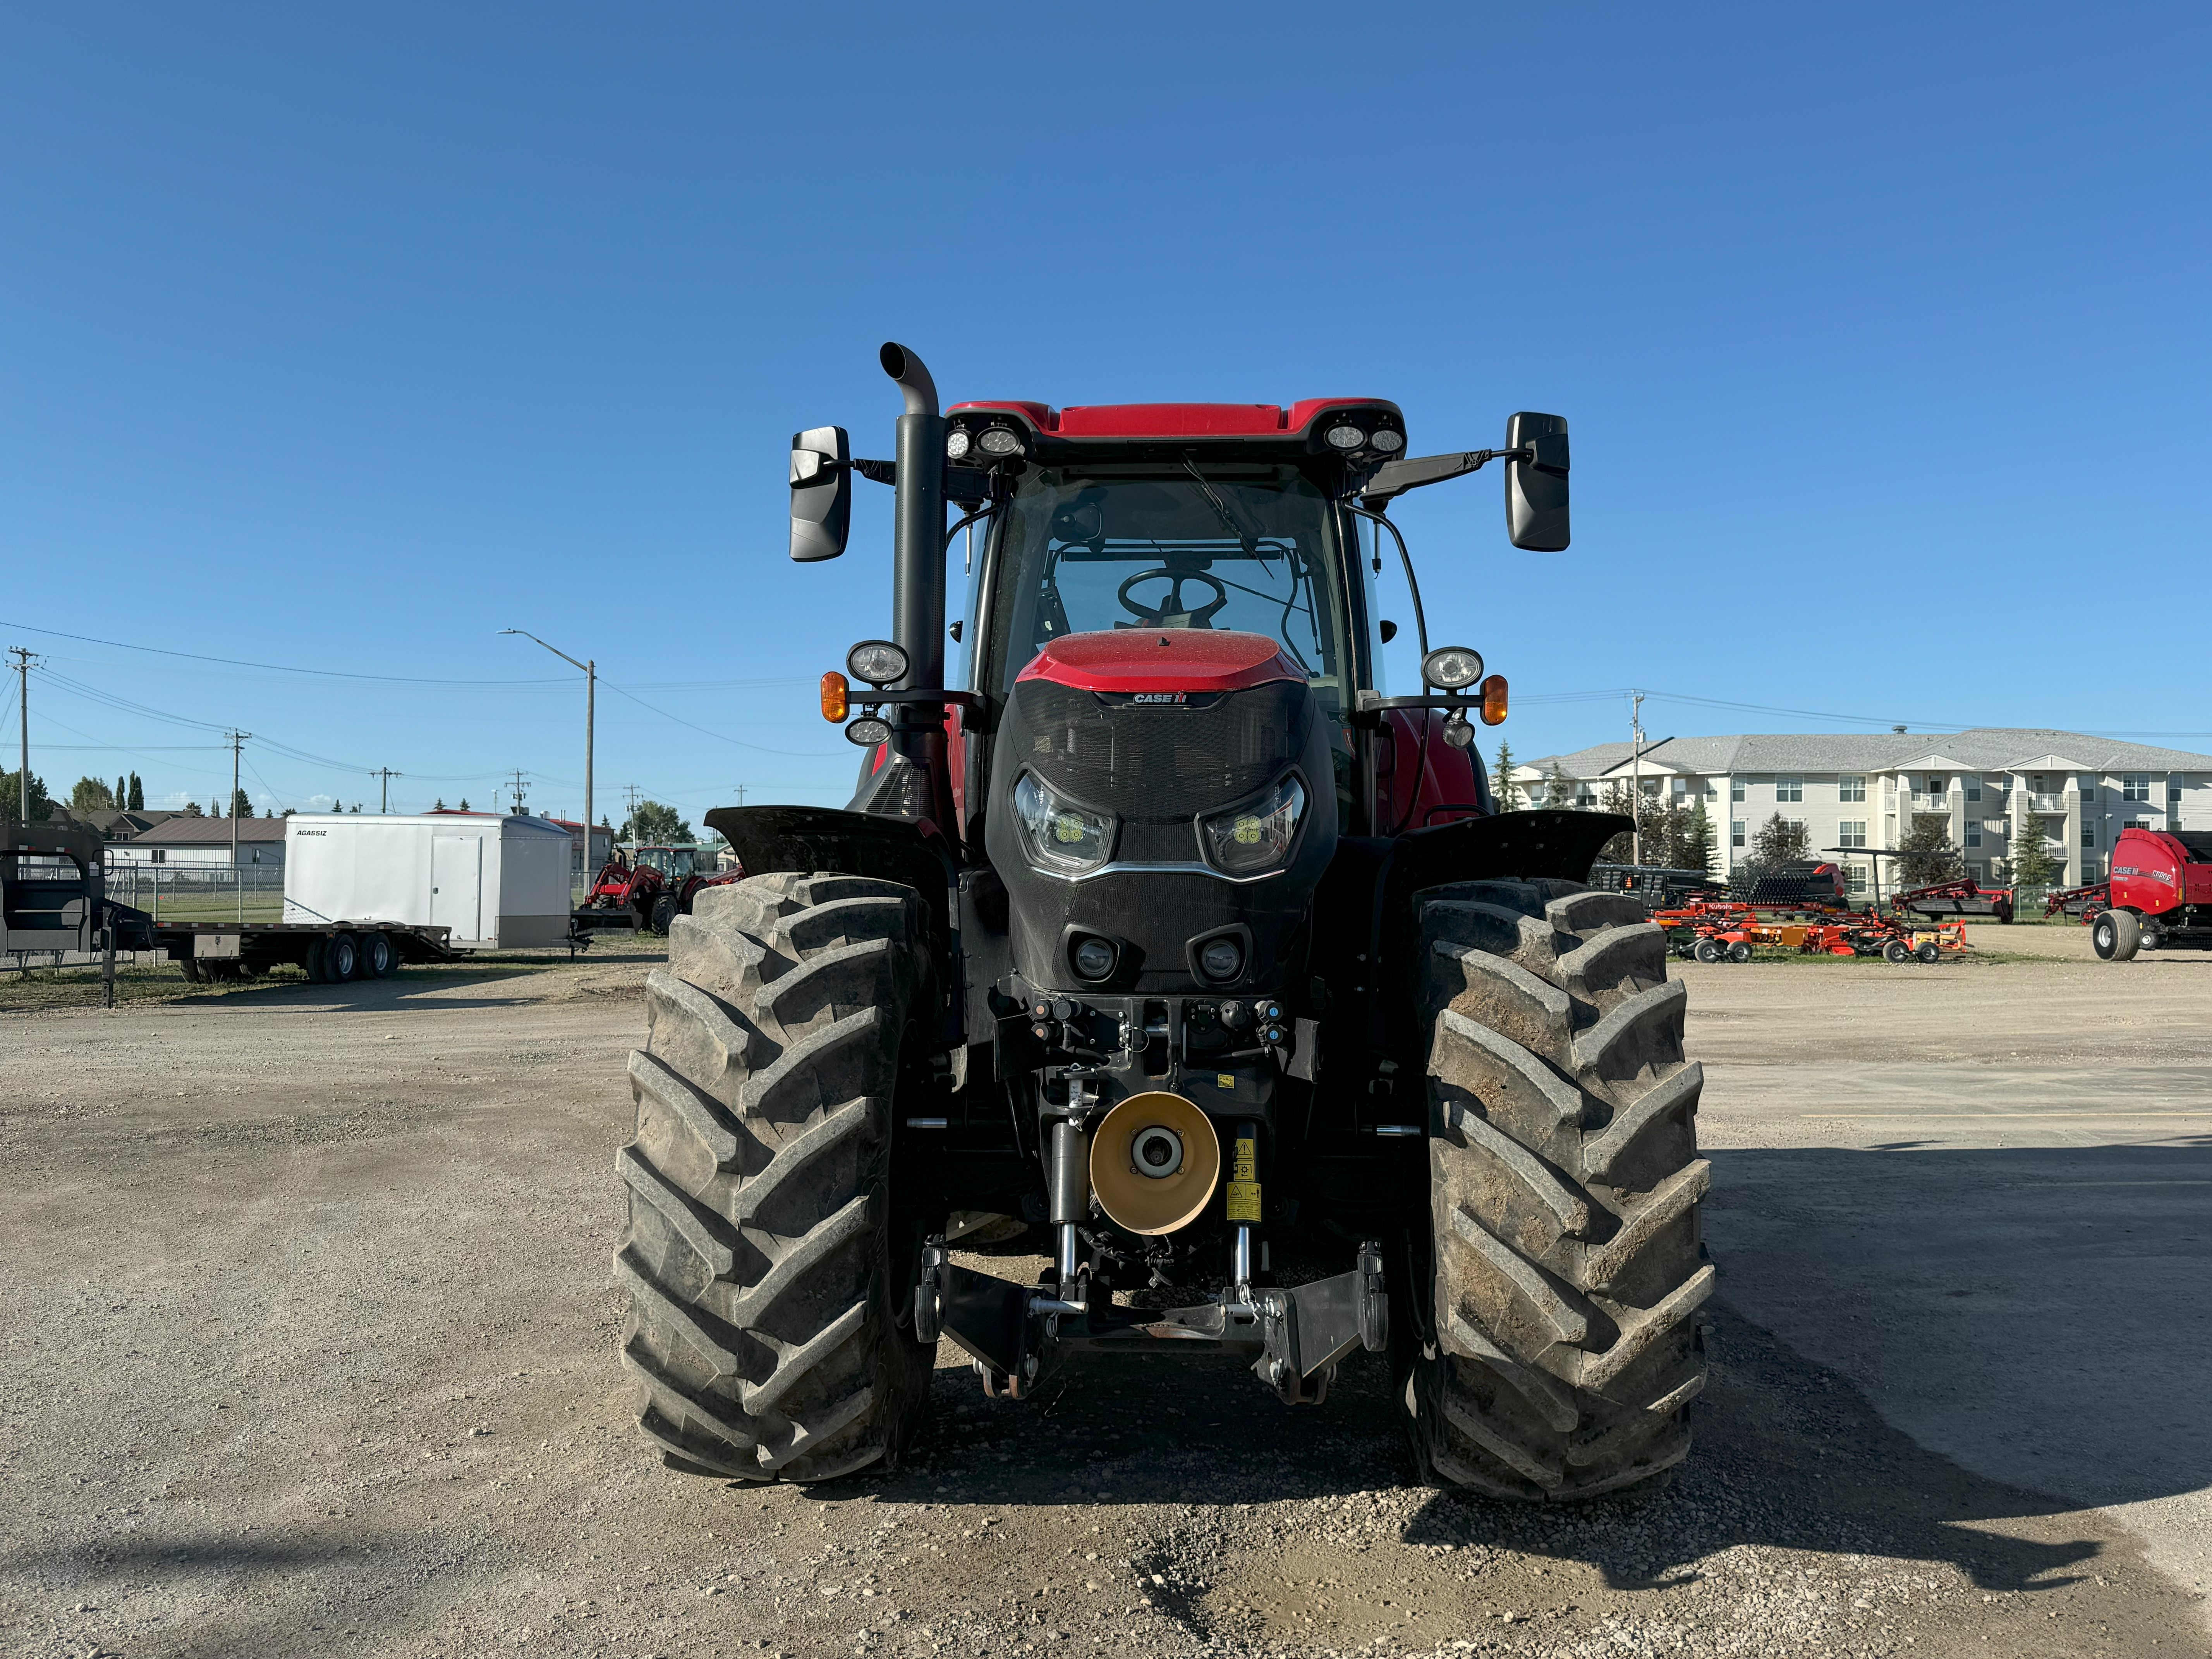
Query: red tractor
x=2161 y=895
x=1173 y=949
x=646 y=888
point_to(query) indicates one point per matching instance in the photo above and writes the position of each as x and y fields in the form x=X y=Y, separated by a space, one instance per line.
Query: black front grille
x=1154 y=763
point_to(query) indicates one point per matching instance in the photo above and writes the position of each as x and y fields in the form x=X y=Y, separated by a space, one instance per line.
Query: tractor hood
x=1152 y=660
x=1156 y=789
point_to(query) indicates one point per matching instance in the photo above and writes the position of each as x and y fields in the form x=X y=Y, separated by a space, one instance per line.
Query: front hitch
x=1294 y=1338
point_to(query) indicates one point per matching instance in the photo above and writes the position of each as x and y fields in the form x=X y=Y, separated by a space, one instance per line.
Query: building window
x=1736 y=788
x=2174 y=794
x=1681 y=786
x=2092 y=870
x=1736 y=832
x=1789 y=789
x=1585 y=798
x=1850 y=788
x=2136 y=786
x=1973 y=836
x=1855 y=878
x=2088 y=832
x=2136 y=823
x=1974 y=788
x=1850 y=832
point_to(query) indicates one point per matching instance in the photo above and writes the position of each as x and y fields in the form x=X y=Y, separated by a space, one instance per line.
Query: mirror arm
x=1393 y=478
x=882 y=473
x=1420 y=622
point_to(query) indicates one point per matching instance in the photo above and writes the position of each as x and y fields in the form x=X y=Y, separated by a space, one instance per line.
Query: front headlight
x=1060 y=838
x=1255 y=836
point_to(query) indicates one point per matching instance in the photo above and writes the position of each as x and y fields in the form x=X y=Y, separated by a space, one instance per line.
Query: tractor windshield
x=1219 y=546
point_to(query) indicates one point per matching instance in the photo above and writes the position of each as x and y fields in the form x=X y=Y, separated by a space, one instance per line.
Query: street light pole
x=590 y=668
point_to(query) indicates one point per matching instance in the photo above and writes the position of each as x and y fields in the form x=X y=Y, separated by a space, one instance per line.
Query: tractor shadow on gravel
x=1788 y=1455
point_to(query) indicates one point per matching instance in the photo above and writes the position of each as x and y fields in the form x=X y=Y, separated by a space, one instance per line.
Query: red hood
x=1164 y=659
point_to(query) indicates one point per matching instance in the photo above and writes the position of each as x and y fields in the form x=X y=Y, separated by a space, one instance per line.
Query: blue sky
x=339 y=339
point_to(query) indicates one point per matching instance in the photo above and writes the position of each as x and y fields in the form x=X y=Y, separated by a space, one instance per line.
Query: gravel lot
x=310 y=1350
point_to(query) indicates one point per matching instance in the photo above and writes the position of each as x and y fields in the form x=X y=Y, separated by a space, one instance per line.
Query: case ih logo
x=1159 y=696
x=2154 y=875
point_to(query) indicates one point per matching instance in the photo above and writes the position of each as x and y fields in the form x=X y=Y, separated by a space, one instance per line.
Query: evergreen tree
x=1779 y=841
x=441 y=806
x=465 y=803
x=1695 y=851
x=1929 y=855
x=1503 y=789
x=2031 y=863
x=1620 y=849
x=122 y=794
x=137 y=794
x=1559 y=793
x=241 y=804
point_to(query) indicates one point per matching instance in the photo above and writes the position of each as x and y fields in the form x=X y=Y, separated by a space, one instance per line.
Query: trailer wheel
x=2116 y=935
x=1739 y=952
x=1927 y=950
x=317 y=962
x=378 y=958
x=1706 y=950
x=1897 y=950
x=342 y=958
x=769 y=1268
x=1555 y=1357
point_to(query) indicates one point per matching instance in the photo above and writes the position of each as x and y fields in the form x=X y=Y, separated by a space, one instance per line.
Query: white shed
x=499 y=882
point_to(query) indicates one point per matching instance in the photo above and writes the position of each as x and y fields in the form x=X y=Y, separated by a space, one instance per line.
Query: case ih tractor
x=1174 y=948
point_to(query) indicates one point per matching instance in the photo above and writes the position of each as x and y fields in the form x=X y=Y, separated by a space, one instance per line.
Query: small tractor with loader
x=1169 y=940
x=646 y=888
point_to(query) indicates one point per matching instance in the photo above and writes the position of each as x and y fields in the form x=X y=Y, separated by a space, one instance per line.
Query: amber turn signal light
x=835 y=693
x=1494 y=700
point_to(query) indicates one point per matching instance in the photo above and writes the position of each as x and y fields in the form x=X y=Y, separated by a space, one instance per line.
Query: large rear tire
x=1559 y=1357
x=766 y=1281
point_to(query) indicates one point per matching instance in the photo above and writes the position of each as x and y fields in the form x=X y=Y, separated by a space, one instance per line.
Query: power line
x=270 y=667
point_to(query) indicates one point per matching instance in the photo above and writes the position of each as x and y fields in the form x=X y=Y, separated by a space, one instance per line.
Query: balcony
x=2046 y=803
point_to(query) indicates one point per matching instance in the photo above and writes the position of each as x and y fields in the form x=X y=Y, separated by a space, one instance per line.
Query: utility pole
x=22 y=667
x=591 y=667
x=517 y=786
x=238 y=879
x=384 y=800
x=1635 y=799
x=741 y=794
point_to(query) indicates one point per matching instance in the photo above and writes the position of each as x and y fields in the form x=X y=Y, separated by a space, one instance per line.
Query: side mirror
x=821 y=492
x=1536 y=490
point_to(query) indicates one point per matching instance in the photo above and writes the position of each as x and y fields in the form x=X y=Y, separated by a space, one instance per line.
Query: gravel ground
x=310 y=1350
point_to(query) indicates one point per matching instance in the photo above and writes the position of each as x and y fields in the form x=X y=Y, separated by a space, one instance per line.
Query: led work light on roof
x=1345 y=437
x=955 y=443
x=1454 y=667
x=1000 y=441
x=876 y=662
x=1388 y=442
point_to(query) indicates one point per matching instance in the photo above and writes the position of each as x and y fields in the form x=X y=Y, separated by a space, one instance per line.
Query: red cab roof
x=1163 y=659
x=1173 y=420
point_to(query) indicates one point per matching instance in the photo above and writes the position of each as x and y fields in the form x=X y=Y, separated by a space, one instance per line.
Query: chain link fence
x=179 y=892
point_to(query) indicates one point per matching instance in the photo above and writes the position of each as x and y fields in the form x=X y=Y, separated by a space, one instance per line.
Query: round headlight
x=1221 y=958
x=1094 y=958
x=1000 y=441
x=1345 y=437
x=1454 y=667
x=876 y=662
x=955 y=443
x=1388 y=442
x=868 y=732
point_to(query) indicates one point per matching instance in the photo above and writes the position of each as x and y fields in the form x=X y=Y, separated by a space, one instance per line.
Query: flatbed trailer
x=54 y=897
x=331 y=953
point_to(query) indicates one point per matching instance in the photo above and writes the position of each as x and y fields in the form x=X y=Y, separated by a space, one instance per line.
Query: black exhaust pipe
x=918 y=596
x=918 y=541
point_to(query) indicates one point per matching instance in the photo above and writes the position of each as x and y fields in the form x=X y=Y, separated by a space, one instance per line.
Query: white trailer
x=497 y=883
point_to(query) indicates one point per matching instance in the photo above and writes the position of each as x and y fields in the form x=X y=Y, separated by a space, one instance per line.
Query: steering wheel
x=1172 y=602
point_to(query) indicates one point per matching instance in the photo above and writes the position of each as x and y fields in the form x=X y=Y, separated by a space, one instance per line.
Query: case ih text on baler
x=1173 y=947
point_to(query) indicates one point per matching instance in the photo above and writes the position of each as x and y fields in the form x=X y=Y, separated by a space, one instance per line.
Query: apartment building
x=1853 y=791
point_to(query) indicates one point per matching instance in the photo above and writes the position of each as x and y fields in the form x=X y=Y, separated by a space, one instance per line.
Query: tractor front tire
x=663 y=914
x=1559 y=1356
x=766 y=1279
